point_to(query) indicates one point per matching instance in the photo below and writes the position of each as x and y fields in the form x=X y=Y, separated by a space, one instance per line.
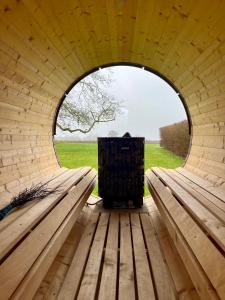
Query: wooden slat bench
x=194 y=213
x=31 y=237
x=120 y=256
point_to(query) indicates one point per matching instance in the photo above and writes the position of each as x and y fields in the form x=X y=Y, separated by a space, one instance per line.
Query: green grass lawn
x=74 y=155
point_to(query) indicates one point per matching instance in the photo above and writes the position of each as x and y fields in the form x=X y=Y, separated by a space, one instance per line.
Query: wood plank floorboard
x=121 y=255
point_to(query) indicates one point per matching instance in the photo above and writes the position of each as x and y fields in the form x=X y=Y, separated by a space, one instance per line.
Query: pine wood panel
x=54 y=279
x=126 y=267
x=211 y=220
x=59 y=221
x=108 y=285
x=12 y=234
x=33 y=278
x=182 y=281
x=200 y=201
x=73 y=278
x=144 y=280
x=162 y=279
x=163 y=267
x=45 y=46
x=181 y=235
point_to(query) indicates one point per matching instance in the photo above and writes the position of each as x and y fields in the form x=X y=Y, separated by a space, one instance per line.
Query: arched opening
x=38 y=69
x=130 y=64
x=149 y=103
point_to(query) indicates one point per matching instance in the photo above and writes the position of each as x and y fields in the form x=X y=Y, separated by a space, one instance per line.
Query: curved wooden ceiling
x=46 y=45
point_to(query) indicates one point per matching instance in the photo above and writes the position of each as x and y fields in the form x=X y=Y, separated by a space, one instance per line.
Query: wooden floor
x=118 y=255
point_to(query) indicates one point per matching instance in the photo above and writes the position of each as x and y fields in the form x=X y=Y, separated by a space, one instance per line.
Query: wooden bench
x=31 y=237
x=193 y=210
x=121 y=255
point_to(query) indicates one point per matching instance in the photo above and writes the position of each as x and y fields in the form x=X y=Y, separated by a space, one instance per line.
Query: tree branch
x=88 y=104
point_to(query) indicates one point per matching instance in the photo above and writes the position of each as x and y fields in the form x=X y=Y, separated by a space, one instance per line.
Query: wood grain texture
x=126 y=267
x=144 y=279
x=23 y=224
x=58 y=222
x=190 y=240
x=199 y=210
x=34 y=277
x=45 y=46
x=90 y=278
x=73 y=277
x=108 y=284
x=157 y=271
x=162 y=279
x=176 y=268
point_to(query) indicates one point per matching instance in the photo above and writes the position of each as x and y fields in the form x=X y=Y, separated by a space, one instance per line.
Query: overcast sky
x=149 y=103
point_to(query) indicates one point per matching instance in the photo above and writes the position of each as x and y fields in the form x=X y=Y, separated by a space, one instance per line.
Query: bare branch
x=89 y=103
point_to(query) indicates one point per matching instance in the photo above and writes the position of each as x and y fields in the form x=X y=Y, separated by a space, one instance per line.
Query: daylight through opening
x=113 y=100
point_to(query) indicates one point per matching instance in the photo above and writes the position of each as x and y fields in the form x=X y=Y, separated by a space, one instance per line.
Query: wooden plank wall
x=46 y=45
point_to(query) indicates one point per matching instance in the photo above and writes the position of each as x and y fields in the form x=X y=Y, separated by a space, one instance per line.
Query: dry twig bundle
x=38 y=191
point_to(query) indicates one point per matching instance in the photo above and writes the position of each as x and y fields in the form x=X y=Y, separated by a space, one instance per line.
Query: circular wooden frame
x=46 y=47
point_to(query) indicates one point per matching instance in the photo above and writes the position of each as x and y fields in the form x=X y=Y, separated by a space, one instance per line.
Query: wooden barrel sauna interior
x=46 y=46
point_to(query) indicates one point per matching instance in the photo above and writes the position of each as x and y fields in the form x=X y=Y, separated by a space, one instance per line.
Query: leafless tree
x=89 y=103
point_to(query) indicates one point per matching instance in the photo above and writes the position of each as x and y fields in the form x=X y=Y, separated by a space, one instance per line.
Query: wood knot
x=6 y=9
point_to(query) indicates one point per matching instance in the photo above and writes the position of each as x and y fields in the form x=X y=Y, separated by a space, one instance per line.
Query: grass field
x=74 y=155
